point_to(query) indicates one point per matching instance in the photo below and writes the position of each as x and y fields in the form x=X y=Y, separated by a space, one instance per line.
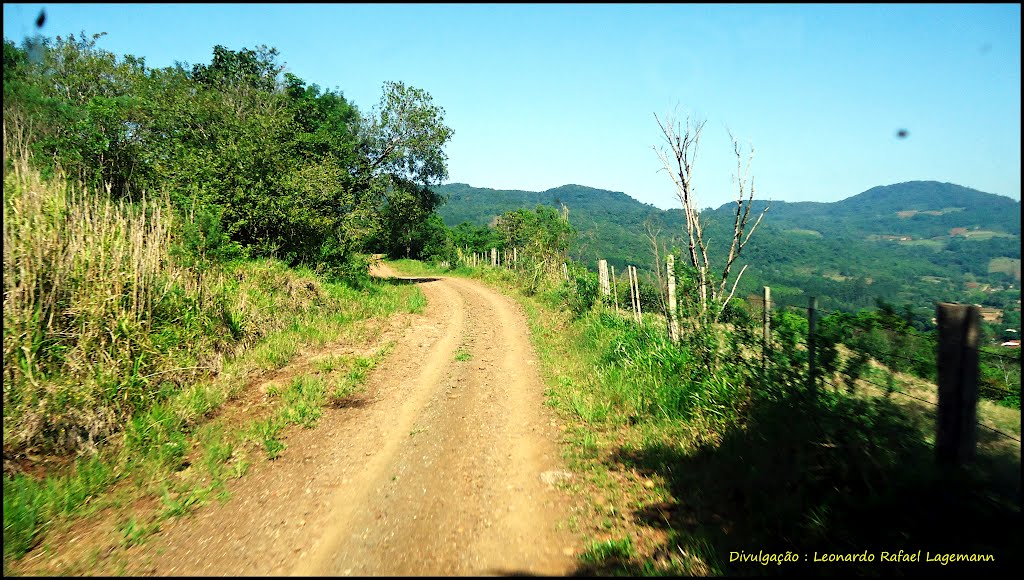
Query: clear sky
x=544 y=95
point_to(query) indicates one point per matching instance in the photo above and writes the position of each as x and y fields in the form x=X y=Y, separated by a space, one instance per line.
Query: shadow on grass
x=831 y=475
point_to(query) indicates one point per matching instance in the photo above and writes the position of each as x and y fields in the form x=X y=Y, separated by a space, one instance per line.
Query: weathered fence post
x=634 y=283
x=602 y=276
x=632 y=290
x=812 y=327
x=956 y=435
x=494 y=257
x=673 y=322
x=615 y=291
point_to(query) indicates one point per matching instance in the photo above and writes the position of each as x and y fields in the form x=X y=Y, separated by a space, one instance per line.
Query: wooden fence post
x=956 y=435
x=602 y=276
x=812 y=327
x=494 y=257
x=632 y=290
x=673 y=324
x=615 y=291
x=634 y=283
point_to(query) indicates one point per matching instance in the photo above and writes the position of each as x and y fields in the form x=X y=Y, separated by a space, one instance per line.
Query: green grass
x=601 y=552
x=31 y=506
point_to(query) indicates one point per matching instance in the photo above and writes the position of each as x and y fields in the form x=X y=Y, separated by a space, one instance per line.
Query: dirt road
x=445 y=468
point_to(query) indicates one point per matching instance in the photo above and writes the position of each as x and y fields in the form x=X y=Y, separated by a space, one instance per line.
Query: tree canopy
x=283 y=167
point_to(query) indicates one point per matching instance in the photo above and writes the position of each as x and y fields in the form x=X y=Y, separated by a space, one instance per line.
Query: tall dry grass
x=82 y=275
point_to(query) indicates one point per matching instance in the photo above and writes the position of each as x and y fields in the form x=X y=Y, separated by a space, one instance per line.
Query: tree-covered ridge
x=916 y=209
x=848 y=253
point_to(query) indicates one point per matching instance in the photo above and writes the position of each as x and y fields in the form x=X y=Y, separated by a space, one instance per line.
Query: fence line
x=958 y=354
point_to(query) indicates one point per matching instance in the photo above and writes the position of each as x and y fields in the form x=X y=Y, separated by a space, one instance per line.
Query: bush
x=581 y=291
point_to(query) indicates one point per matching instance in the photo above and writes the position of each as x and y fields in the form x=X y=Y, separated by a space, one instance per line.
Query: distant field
x=1009 y=266
x=934 y=244
x=985 y=235
x=912 y=212
x=814 y=233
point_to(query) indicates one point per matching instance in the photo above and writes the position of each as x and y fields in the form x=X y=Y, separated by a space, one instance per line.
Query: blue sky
x=544 y=95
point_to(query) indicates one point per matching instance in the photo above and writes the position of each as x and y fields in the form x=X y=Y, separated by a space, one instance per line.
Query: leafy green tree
x=470 y=238
x=403 y=156
x=541 y=238
x=286 y=168
x=251 y=69
x=405 y=138
x=82 y=106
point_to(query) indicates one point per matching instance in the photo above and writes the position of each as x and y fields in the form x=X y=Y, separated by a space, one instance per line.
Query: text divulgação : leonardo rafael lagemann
x=899 y=556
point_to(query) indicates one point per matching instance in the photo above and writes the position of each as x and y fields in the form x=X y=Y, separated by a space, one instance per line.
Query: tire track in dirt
x=464 y=495
x=438 y=472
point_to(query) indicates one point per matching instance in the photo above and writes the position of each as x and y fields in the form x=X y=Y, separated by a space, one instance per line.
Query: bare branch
x=733 y=291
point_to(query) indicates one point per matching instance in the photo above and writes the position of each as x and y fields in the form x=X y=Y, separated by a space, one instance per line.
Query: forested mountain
x=918 y=209
x=909 y=243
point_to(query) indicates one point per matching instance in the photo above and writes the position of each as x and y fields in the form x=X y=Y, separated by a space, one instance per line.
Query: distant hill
x=918 y=209
x=918 y=241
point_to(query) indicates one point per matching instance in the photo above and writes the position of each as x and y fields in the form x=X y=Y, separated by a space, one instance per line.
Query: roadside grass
x=680 y=471
x=155 y=459
x=175 y=448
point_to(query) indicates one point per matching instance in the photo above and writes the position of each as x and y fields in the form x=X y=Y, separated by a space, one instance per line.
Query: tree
x=403 y=156
x=405 y=138
x=541 y=238
x=678 y=161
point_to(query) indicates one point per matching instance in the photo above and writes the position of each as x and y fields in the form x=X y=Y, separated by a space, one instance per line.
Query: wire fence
x=904 y=341
x=888 y=389
x=905 y=336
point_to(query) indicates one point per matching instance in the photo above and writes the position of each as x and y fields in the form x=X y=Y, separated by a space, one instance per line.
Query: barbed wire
x=999 y=355
x=979 y=423
x=906 y=358
x=994 y=430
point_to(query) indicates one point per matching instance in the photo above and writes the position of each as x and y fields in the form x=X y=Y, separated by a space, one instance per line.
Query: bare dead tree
x=652 y=231
x=678 y=160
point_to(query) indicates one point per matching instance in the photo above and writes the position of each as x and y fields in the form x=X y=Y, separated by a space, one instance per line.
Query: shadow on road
x=407 y=280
